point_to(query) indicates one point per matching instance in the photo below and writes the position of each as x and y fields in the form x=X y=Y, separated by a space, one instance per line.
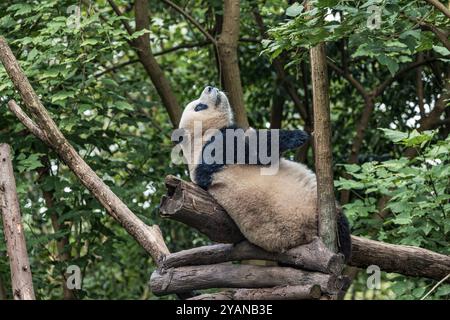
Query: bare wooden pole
x=21 y=279
x=322 y=142
x=149 y=237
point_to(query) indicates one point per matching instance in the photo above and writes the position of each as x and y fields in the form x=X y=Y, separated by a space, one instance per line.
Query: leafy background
x=105 y=104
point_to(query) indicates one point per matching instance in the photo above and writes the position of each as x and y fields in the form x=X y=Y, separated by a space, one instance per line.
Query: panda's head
x=212 y=110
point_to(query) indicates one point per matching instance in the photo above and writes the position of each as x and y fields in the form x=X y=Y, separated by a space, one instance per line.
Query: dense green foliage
x=115 y=119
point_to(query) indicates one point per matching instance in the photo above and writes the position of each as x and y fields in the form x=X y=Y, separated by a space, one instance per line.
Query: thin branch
x=181 y=46
x=440 y=34
x=434 y=288
x=191 y=19
x=379 y=90
x=119 y=14
x=116 y=67
x=27 y=122
x=358 y=86
x=440 y=6
x=156 y=54
x=419 y=87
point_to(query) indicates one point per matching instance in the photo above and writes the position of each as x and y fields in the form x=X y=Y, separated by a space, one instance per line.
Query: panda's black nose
x=209 y=88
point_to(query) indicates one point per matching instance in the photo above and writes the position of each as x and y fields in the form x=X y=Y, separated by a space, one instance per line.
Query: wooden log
x=309 y=292
x=406 y=260
x=21 y=279
x=190 y=204
x=189 y=278
x=313 y=256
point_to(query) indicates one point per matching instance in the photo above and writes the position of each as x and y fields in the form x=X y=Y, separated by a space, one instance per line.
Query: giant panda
x=275 y=212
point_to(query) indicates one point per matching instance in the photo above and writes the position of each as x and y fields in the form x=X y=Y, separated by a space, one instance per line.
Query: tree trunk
x=276 y=112
x=229 y=62
x=21 y=280
x=62 y=244
x=322 y=146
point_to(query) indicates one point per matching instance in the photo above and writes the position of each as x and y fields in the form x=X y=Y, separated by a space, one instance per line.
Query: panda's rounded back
x=275 y=212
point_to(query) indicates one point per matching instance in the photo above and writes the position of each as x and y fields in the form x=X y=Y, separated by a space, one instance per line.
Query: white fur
x=275 y=212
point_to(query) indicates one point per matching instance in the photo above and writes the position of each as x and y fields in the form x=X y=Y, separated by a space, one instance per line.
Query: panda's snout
x=211 y=95
x=210 y=89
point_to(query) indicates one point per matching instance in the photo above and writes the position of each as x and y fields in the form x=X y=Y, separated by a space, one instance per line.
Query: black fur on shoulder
x=288 y=139
x=292 y=139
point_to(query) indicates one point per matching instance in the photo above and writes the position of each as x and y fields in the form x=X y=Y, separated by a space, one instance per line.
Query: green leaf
x=294 y=10
x=389 y=62
x=394 y=135
x=443 y=290
x=441 y=50
x=402 y=218
x=62 y=95
x=123 y=105
x=30 y=163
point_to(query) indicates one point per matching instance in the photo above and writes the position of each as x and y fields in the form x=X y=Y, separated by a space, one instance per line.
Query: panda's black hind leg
x=344 y=236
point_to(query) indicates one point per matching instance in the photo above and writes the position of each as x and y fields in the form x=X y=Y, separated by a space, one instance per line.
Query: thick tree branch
x=151 y=66
x=21 y=279
x=149 y=237
x=406 y=260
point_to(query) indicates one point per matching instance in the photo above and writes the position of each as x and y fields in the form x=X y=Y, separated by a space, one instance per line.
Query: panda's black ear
x=292 y=139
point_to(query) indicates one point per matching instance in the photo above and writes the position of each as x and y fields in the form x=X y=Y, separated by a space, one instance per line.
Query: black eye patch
x=200 y=107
